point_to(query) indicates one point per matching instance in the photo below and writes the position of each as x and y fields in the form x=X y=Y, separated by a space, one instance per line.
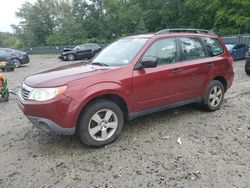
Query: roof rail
x=184 y=30
x=131 y=34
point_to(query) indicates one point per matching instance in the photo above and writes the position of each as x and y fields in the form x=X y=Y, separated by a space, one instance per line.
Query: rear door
x=198 y=60
x=195 y=67
x=84 y=52
x=158 y=86
x=243 y=51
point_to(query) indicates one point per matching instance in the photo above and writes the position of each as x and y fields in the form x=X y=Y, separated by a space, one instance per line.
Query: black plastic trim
x=165 y=107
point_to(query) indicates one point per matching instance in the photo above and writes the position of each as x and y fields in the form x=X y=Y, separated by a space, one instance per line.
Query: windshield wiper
x=99 y=64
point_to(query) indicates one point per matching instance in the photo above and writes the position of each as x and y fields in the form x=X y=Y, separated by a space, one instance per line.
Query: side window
x=83 y=47
x=164 y=50
x=192 y=48
x=242 y=46
x=213 y=46
x=88 y=46
x=237 y=47
x=3 y=52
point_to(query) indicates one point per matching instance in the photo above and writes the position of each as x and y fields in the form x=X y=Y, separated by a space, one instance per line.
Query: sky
x=7 y=13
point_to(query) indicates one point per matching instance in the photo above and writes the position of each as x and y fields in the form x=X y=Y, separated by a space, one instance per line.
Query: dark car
x=15 y=57
x=134 y=76
x=84 y=51
x=247 y=66
x=237 y=51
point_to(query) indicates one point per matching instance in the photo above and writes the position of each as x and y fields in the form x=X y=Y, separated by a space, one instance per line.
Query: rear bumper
x=50 y=126
x=230 y=79
x=25 y=59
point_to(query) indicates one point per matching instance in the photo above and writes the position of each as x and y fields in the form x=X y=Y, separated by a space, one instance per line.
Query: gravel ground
x=215 y=148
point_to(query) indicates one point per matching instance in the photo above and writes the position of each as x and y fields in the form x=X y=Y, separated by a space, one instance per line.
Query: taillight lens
x=230 y=59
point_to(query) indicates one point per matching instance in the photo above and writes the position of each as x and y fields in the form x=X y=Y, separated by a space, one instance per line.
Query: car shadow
x=46 y=142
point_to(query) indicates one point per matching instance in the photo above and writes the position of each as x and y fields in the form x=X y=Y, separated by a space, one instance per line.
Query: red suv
x=134 y=76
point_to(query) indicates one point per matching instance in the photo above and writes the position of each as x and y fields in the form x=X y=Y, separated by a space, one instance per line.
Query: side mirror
x=147 y=62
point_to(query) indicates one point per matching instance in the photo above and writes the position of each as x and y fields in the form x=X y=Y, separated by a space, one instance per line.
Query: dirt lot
x=215 y=149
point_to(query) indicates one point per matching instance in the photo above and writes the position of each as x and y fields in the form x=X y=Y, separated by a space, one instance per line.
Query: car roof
x=184 y=30
x=175 y=32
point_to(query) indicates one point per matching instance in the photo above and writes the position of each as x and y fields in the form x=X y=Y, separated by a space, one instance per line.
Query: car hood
x=68 y=49
x=62 y=75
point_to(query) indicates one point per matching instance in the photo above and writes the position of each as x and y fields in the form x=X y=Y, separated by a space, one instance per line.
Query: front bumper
x=62 y=57
x=50 y=126
x=57 y=115
x=247 y=65
x=248 y=58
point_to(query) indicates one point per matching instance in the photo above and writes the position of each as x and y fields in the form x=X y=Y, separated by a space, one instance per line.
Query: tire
x=97 y=130
x=5 y=98
x=70 y=57
x=214 y=96
x=16 y=62
x=247 y=68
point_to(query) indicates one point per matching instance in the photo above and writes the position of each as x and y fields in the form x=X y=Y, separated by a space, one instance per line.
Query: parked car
x=132 y=77
x=238 y=51
x=84 y=51
x=15 y=57
x=247 y=66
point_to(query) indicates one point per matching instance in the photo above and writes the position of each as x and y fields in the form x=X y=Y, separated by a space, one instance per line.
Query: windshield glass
x=229 y=47
x=78 y=47
x=120 y=53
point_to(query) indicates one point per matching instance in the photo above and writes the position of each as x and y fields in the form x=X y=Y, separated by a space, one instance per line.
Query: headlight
x=45 y=94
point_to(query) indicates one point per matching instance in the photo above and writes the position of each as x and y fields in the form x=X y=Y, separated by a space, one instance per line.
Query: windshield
x=229 y=47
x=120 y=53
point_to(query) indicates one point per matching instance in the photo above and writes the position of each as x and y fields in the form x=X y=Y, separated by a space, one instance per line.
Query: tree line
x=63 y=22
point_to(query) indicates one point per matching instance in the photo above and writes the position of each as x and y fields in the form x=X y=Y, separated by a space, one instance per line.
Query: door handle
x=210 y=65
x=177 y=70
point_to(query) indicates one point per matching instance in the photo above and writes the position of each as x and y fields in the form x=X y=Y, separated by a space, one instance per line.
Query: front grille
x=24 y=92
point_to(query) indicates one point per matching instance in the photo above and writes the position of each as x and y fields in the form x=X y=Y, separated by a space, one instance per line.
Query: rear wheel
x=70 y=57
x=5 y=98
x=214 y=95
x=100 y=123
x=16 y=62
x=247 y=68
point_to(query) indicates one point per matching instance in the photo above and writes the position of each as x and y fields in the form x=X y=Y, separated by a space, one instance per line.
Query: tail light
x=230 y=59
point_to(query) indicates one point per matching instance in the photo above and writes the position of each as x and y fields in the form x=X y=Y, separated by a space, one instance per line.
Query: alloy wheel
x=215 y=96
x=103 y=125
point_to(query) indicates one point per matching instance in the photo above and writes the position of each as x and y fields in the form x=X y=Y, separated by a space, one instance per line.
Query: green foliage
x=64 y=22
x=9 y=40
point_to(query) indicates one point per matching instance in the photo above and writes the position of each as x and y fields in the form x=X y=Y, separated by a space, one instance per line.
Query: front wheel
x=214 y=95
x=100 y=123
x=16 y=62
x=71 y=57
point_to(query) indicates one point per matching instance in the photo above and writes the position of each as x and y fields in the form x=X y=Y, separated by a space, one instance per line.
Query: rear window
x=192 y=48
x=213 y=46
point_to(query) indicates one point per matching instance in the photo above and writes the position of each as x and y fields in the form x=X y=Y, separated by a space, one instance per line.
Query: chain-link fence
x=49 y=49
x=244 y=39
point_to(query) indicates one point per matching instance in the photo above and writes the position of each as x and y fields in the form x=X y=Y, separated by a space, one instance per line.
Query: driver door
x=158 y=86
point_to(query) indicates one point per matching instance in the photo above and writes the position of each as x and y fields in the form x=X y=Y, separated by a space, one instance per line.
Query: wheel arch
x=217 y=77
x=223 y=81
x=119 y=100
